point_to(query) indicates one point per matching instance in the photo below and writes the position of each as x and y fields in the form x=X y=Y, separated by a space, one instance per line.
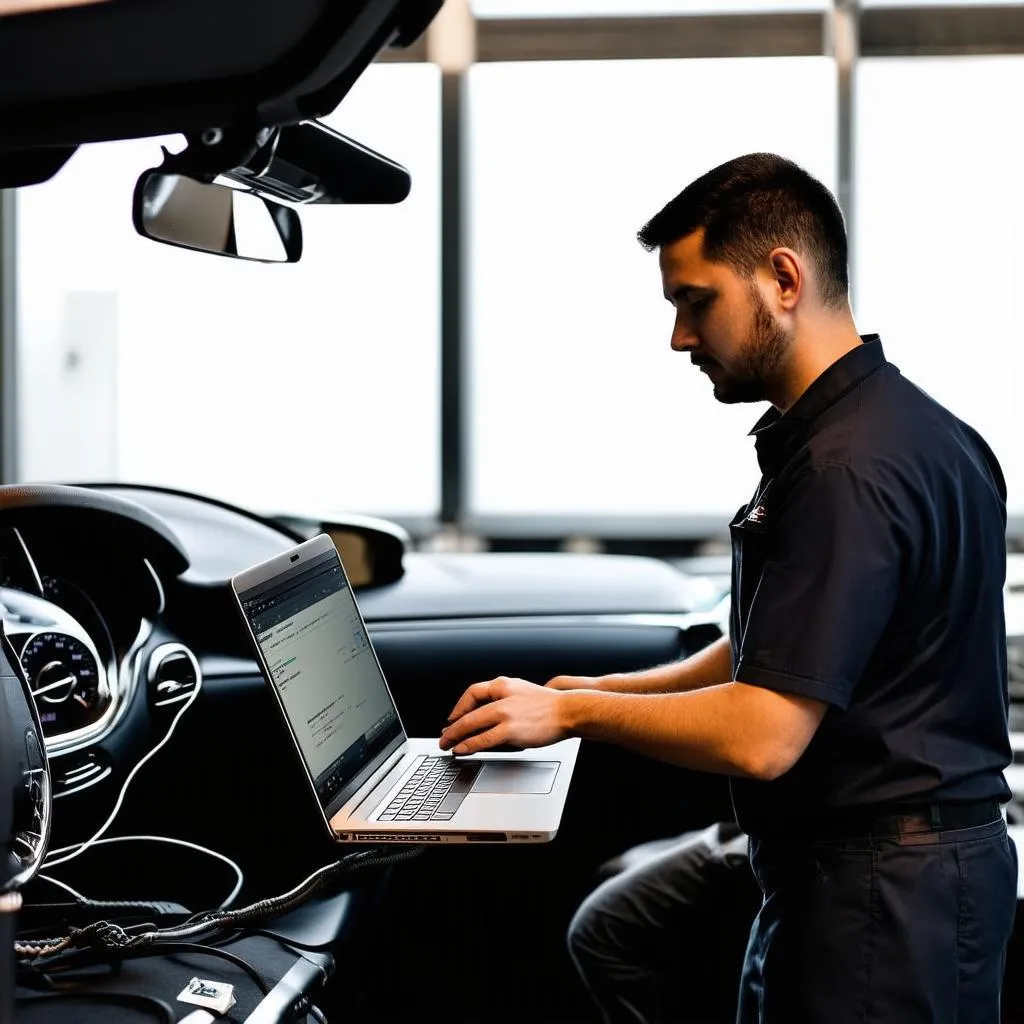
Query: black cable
x=107 y=941
x=229 y=935
x=312 y=947
x=215 y=920
x=87 y=957
x=112 y=944
x=133 y=1000
x=159 y=948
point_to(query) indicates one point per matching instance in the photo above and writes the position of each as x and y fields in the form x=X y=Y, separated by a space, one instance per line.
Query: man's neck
x=817 y=345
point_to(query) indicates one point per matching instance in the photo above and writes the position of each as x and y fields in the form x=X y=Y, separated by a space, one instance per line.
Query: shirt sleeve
x=836 y=553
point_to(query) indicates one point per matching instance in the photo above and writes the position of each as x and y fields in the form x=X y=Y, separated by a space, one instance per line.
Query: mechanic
x=699 y=889
x=859 y=702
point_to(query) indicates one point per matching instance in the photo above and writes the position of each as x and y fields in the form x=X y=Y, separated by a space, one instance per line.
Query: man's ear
x=788 y=271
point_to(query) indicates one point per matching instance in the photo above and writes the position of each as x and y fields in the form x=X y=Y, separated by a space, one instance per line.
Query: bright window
x=572 y=8
x=286 y=387
x=940 y=3
x=939 y=217
x=577 y=404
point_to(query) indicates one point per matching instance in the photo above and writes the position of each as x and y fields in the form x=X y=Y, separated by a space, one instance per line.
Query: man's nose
x=684 y=338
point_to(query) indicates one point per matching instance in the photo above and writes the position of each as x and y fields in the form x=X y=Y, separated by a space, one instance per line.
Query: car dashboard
x=118 y=622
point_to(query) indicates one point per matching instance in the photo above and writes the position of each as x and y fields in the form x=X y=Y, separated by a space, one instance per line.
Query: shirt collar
x=774 y=432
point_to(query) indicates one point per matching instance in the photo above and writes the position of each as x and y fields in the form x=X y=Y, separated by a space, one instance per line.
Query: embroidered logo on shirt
x=757 y=515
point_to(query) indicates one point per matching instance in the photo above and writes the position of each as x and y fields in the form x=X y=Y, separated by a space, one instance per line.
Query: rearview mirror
x=186 y=202
x=371 y=549
x=208 y=217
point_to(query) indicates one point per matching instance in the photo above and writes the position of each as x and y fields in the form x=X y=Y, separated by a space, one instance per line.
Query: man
x=859 y=703
x=662 y=938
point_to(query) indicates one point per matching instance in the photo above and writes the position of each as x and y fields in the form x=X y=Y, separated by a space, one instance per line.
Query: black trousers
x=662 y=941
x=899 y=929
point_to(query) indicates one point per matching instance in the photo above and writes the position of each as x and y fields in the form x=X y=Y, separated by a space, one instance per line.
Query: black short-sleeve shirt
x=868 y=573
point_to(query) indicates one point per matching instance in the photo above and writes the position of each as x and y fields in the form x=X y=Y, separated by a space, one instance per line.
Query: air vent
x=173 y=675
x=72 y=773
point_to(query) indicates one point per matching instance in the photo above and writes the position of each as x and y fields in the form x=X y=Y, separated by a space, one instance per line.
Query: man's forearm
x=732 y=728
x=708 y=667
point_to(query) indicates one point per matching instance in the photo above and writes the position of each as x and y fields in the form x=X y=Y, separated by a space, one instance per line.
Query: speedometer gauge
x=65 y=682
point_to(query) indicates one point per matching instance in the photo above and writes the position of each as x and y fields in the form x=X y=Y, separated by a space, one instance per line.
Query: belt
x=894 y=820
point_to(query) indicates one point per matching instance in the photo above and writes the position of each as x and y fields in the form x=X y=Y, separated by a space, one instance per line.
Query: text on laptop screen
x=322 y=665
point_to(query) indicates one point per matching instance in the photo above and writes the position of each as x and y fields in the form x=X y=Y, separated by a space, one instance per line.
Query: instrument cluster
x=63 y=643
x=66 y=678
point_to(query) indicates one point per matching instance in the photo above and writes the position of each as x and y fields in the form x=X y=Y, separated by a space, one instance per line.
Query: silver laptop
x=373 y=783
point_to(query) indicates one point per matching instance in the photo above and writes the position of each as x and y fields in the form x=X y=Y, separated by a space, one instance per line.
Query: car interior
x=153 y=620
x=162 y=740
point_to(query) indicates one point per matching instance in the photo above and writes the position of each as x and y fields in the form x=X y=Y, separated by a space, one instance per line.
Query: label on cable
x=214 y=995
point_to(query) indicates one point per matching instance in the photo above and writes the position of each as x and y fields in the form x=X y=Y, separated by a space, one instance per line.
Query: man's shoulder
x=890 y=396
x=892 y=432
x=887 y=416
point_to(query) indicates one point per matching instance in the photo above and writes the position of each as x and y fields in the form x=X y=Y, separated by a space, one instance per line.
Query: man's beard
x=761 y=359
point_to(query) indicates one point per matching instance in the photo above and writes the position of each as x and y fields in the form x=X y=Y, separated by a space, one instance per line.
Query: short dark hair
x=749 y=206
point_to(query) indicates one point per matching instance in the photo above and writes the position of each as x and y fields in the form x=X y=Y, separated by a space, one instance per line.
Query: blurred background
x=488 y=363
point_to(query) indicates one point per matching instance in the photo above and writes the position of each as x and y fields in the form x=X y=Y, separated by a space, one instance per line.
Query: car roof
x=97 y=71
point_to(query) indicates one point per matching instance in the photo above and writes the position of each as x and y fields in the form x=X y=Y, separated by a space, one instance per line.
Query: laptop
x=372 y=782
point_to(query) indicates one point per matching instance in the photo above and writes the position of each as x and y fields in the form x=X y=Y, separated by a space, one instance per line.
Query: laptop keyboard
x=433 y=792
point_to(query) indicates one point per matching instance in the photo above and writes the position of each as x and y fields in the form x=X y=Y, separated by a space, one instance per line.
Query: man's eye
x=701 y=304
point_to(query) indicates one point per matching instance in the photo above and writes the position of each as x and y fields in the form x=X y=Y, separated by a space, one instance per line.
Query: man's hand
x=504 y=712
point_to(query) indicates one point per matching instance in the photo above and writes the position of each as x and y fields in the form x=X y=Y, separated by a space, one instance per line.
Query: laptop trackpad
x=516 y=777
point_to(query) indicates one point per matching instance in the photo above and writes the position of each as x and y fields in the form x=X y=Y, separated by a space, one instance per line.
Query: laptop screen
x=320 y=661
